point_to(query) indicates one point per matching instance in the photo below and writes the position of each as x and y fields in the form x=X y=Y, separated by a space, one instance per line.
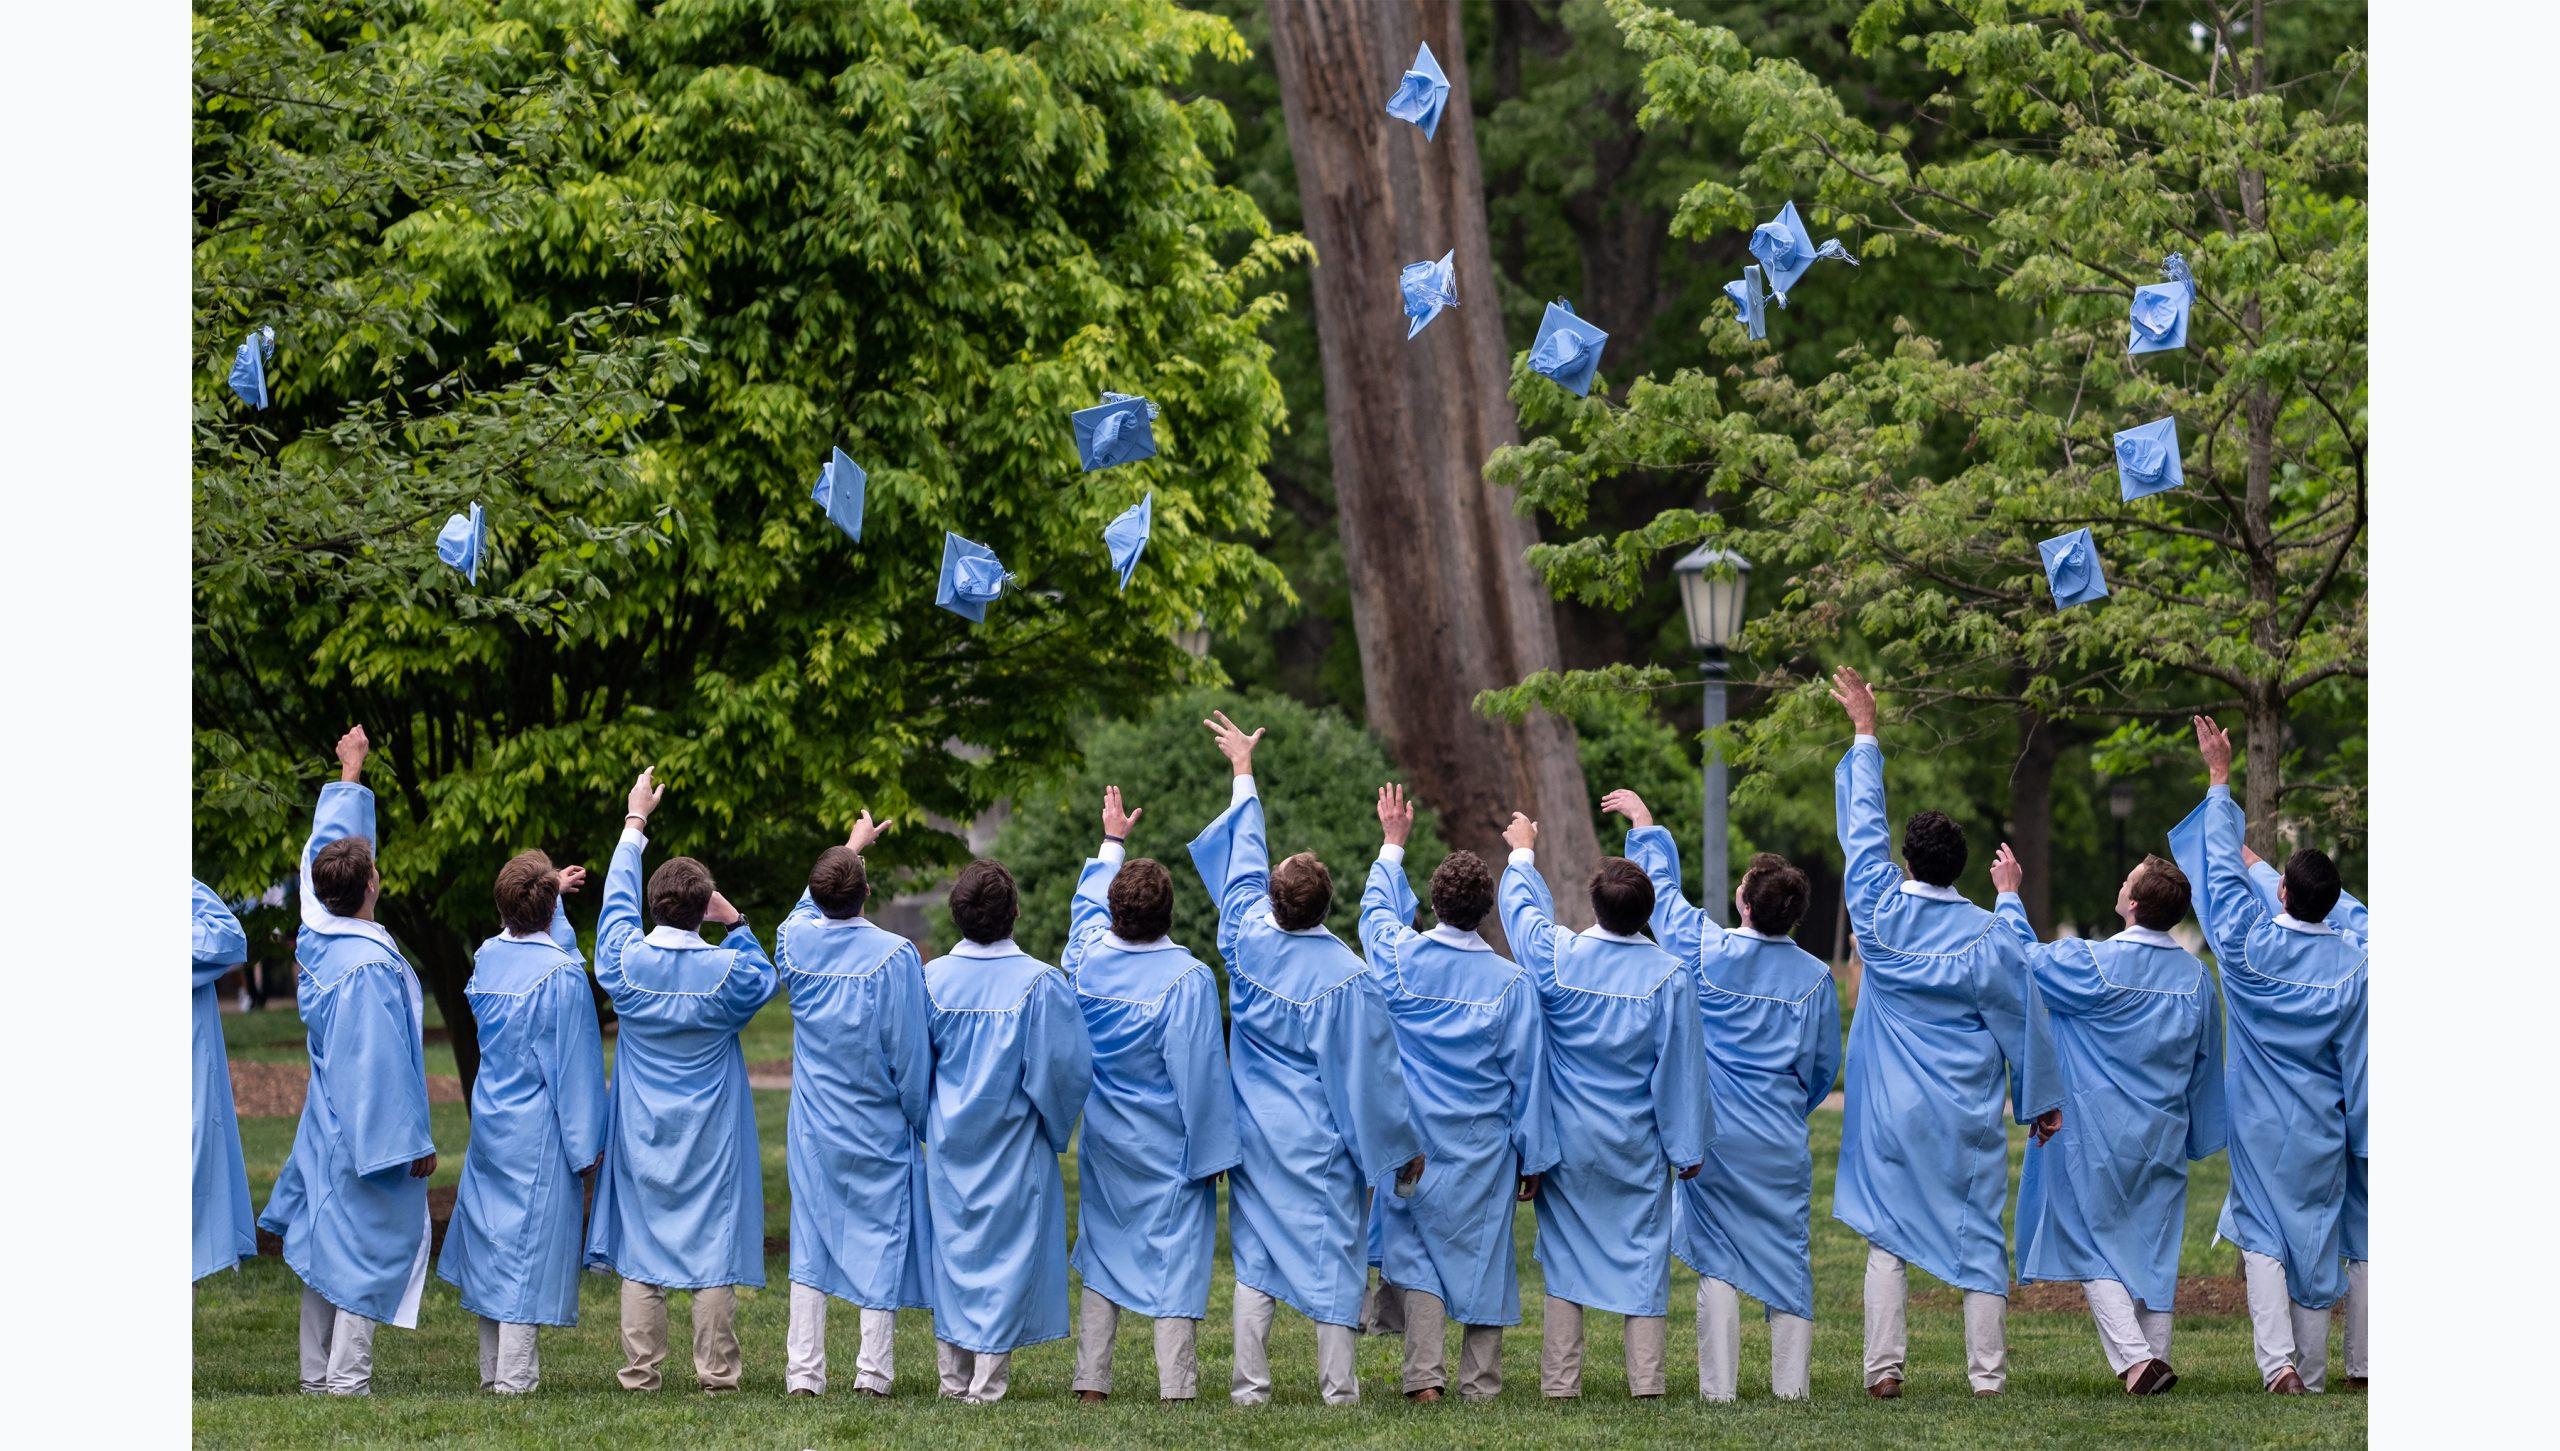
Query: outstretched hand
x=1522 y=833
x=1233 y=743
x=1629 y=805
x=1117 y=823
x=351 y=753
x=645 y=792
x=2006 y=874
x=2214 y=744
x=1395 y=814
x=1856 y=697
x=570 y=879
x=866 y=831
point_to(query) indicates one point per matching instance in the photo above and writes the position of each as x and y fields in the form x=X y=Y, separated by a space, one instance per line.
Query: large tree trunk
x=444 y=965
x=2031 y=814
x=1442 y=598
x=2263 y=699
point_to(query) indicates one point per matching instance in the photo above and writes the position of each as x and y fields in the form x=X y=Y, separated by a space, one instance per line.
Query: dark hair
x=2310 y=885
x=1622 y=896
x=984 y=902
x=528 y=888
x=1142 y=901
x=1461 y=891
x=342 y=870
x=679 y=893
x=1774 y=892
x=838 y=883
x=2160 y=894
x=1301 y=892
x=1933 y=847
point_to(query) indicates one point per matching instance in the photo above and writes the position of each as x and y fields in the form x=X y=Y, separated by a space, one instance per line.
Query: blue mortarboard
x=462 y=540
x=839 y=492
x=2160 y=309
x=1422 y=95
x=1567 y=349
x=1749 y=303
x=2071 y=569
x=1126 y=536
x=971 y=576
x=1429 y=287
x=1115 y=431
x=1786 y=249
x=249 y=366
x=2147 y=459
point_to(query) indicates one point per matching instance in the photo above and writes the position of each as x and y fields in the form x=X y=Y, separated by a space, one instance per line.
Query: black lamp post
x=1711 y=596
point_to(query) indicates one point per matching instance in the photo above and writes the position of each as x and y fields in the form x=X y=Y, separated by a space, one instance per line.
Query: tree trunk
x=2263 y=704
x=2031 y=814
x=443 y=963
x=1443 y=599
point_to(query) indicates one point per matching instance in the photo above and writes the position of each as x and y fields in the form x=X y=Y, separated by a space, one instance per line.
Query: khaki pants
x=2130 y=1331
x=1381 y=1308
x=1560 y=1351
x=716 y=1362
x=337 y=1349
x=975 y=1376
x=510 y=1364
x=1426 y=1350
x=1720 y=1346
x=1177 y=1350
x=804 y=1365
x=2357 y=1283
x=2286 y=1334
x=1337 y=1369
x=1888 y=1295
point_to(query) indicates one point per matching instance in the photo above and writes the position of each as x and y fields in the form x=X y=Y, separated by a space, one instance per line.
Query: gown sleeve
x=1364 y=1080
x=2350 y=1048
x=573 y=1066
x=1857 y=786
x=1682 y=1114
x=1088 y=912
x=1387 y=906
x=1057 y=1058
x=906 y=1034
x=375 y=1073
x=345 y=809
x=618 y=921
x=2065 y=972
x=1195 y=1062
x=2208 y=1112
x=1820 y=1061
x=750 y=983
x=564 y=936
x=2017 y=1018
x=1524 y=1056
x=220 y=945
x=2349 y=916
x=2233 y=907
x=1686 y=932
x=1529 y=918
x=1234 y=863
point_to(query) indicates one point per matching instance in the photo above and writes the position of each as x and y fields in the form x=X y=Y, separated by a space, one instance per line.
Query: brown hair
x=528 y=888
x=1461 y=891
x=340 y=873
x=1774 y=892
x=1622 y=896
x=1142 y=901
x=1301 y=892
x=839 y=883
x=2160 y=894
x=679 y=893
x=984 y=902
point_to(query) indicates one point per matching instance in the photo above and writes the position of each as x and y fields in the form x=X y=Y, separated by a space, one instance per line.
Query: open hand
x=1395 y=814
x=2214 y=744
x=569 y=879
x=2047 y=1124
x=2006 y=874
x=866 y=831
x=645 y=792
x=1117 y=822
x=1522 y=833
x=1629 y=805
x=1233 y=743
x=351 y=753
x=1856 y=697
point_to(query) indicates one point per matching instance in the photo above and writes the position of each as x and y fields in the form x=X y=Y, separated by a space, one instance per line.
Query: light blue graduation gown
x=1321 y=1106
x=1627 y=1068
x=354 y=1223
x=1772 y=1019
x=1160 y=1123
x=2295 y=1064
x=2139 y=1042
x=861 y=1075
x=1011 y=1067
x=1945 y=1023
x=680 y=1199
x=226 y=1227
x=1473 y=1040
x=537 y=1119
x=2349 y=917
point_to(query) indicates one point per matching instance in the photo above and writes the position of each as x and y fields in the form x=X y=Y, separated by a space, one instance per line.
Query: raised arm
x=345 y=809
x=618 y=922
x=1866 y=841
x=751 y=981
x=1685 y=931
x=1089 y=910
x=2234 y=907
x=1528 y=909
x=1231 y=853
x=1387 y=903
x=2066 y=972
x=219 y=943
x=567 y=880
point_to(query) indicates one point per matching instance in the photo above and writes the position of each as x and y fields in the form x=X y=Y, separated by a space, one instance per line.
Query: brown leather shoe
x=1423 y=1397
x=868 y=1391
x=1889 y=1388
x=1986 y=1395
x=800 y=1392
x=2355 y=1382
x=2148 y=1379
x=2287 y=1383
x=1093 y=1398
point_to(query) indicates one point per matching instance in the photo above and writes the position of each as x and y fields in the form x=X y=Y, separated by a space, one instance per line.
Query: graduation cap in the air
x=2071 y=569
x=2147 y=459
x=1786 y=249
x=971 y=577
x=462 y=540
x=1750 y=304
x=1428 y=287
x=1567 y=349
x=2160 y=309
x=249 y=366
x=1126 y=536
x=1115 y=431
x=1422 y=95
x=839 y=492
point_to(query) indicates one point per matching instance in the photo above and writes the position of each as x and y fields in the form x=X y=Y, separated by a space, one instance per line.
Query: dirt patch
x=769 y=1073
x=275 y=1090
x=2197 y=1295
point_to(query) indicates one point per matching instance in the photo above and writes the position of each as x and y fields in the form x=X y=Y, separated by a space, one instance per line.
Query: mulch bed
x=275 y=1090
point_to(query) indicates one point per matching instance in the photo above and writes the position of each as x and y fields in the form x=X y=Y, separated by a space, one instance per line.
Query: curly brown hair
x=1462 y=891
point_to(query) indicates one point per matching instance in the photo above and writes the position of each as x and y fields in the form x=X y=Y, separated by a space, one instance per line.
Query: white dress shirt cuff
x=634 y=836
x=1391 y=854
x=1864 y=740
x=1524 y=856
x=1243 y=790
x=1112 y=853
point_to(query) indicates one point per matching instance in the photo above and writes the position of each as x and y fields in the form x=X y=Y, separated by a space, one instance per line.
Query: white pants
x=1720 y=1346
x=1986 y=1326
x=510 y=1363
x=1560 y=1351
x=1177 y=1350
x=1426 y=1349
x=1337 y=1370
x=2130 y=1331
x=805 y=1362
x=2286 y=1335
x=2356 y=1290
x=977 y=1377
x=337 y=1349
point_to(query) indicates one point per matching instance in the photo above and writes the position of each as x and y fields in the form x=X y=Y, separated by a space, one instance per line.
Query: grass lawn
x=426 y=1380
